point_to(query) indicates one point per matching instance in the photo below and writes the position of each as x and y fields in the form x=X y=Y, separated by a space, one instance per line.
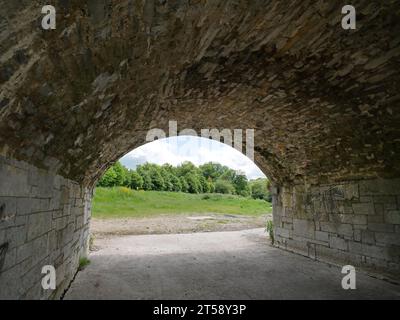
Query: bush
x=224 y=187
x=109 y=179
x=259 y=190
x=194 y=184
x=147 y=183
x=184 y=184
x=241 y=185
x=270 y=229
x=83 y=263
x=136 y=181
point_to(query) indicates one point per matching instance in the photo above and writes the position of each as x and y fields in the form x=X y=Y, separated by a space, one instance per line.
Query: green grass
x=83 y=262
x=124 y=202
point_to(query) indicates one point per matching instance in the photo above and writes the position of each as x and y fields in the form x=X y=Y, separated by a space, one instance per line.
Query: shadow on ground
x=219 y=265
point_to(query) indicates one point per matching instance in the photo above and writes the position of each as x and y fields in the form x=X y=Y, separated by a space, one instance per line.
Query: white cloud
x=197 y=150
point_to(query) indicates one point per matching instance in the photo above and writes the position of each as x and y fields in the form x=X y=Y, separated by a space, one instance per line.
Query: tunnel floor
x=218 y=265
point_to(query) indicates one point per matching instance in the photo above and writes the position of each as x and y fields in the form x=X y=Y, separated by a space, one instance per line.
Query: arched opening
x=181 y=184
x=193 y=202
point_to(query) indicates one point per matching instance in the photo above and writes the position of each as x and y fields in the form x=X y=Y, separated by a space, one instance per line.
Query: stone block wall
x=356 y=222
x=44 y=220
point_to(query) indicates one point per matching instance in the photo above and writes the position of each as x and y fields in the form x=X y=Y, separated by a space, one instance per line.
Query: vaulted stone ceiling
x=324 y=101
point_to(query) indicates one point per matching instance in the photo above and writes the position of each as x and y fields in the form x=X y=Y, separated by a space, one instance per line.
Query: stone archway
x=323 y=102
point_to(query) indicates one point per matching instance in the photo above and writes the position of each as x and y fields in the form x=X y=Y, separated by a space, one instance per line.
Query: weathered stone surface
x=126 y=70
x=323 y=102
x=37 y=236
x=339 y=228
x=338 y=243
x=392 y=216
x=344 y=238
x=304 y=228
x=381 y=227
x=322 y=236
x=367 y=237
x=285 y=233
x=364 y=208
x=388 y=238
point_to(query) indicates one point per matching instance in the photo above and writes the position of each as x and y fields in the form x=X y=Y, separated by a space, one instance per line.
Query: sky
x=197 y=150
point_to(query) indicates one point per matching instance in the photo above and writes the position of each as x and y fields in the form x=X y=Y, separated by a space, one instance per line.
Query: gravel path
x=216 y=265
x=168 y=224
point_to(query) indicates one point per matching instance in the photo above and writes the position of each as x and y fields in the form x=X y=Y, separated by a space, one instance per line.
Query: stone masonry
x=44 y=220
x=324 y=104
x=355 y=223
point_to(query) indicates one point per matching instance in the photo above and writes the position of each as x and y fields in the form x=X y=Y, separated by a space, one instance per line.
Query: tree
x=260 y=189
x=157 y=179
x=108 y=179
x=121 y=174
x=241 y=185
x=212 y=170
x=135 y=180
x=176 y=183
x=186 y=168
x=205 y=188
x=193 y=183
x=184 y=184
x=147 y=184
x=208 y=178
x=224 y=187
x=167 y=177
x=228 y=175
x=116 y=175
x=211 y=186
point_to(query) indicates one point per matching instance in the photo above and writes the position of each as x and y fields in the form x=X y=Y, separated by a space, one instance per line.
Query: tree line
x=207 y=178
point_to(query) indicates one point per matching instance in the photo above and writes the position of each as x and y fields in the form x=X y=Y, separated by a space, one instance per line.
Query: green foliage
x=184 y=184
x=136 y=181
x=241 y=185
x=157 y=180
x=260 y=189
x=228 y=175
x=176 y=183
x=186 y=168
x=193 y=182
x=108 y=179
x=167 y=177
x=205 y=187
x=121 y=174
x=147 y=184
x=224 y=187
x=211 y=187
x=187 y=178
x=117 y=175
x=270 y=229
x=212 y=171
x=83 y=262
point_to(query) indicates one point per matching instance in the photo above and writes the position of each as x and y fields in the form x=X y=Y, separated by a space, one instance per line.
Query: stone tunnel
x=323 y=101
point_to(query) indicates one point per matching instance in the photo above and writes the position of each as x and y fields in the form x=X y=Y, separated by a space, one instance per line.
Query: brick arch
x=323 y=101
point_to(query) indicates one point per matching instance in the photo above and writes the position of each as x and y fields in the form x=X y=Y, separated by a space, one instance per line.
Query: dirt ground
x=104 y=228
x=213 y=265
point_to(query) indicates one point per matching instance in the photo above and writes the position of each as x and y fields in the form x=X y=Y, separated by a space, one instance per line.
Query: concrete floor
x=220 y=265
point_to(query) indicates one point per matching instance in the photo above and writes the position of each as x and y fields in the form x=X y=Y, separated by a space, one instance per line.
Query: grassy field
x=124 y=202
